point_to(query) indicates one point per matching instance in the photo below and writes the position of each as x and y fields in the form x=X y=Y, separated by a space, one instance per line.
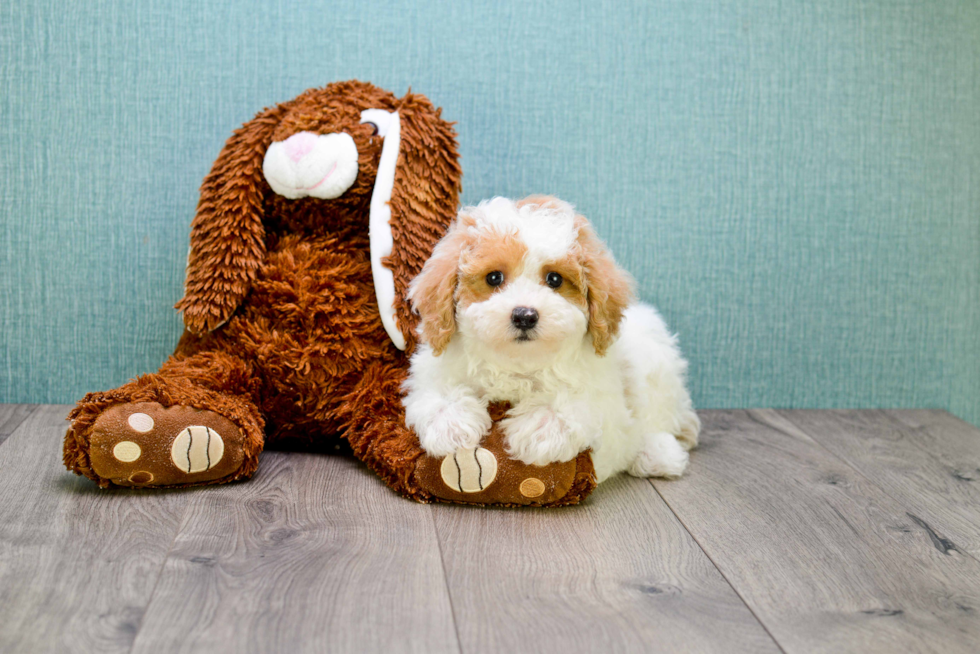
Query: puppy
x=521 y=302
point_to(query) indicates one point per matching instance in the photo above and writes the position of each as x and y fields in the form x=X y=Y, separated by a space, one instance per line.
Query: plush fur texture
x=521 y=302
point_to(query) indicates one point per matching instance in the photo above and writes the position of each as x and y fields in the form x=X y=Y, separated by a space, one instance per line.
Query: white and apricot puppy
x=521 y=302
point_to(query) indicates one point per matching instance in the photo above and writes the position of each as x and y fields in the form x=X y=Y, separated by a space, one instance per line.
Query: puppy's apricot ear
x=433 y=292
x=227 y=236
x=610 y=288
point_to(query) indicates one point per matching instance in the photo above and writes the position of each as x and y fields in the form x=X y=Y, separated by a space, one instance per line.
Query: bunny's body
x=284 y=339
x=312 y=222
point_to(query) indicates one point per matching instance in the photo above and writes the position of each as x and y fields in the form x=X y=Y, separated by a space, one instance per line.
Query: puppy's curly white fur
x=522 y=302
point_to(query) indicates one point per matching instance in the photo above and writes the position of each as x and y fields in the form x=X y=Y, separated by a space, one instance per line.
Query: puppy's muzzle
x=524 y=318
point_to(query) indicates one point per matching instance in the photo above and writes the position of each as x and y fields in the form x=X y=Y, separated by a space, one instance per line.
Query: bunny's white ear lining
x=379 y=223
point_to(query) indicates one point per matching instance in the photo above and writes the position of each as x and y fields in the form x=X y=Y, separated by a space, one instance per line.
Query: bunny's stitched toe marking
x=469 y=471
x=126 y=451
x=532 y=487
x=197 y=448
x=141 y=422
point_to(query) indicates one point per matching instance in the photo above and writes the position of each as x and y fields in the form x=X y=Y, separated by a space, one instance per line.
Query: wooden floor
x=800 y=531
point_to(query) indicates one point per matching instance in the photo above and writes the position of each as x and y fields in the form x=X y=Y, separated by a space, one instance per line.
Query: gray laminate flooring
x=795 y=531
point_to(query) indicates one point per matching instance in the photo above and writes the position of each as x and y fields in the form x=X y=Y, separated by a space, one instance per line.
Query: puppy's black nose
x=524 y=317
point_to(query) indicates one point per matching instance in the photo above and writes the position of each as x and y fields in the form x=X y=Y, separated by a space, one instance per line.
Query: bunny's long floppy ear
x=415 y=199
x=227 y=236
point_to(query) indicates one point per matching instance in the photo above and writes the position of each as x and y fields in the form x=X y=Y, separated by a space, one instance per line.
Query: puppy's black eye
x=496 y=278
x=374 y=128
x=554 y=280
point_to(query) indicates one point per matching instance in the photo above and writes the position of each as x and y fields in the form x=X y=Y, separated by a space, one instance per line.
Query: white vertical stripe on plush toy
x=379 y=223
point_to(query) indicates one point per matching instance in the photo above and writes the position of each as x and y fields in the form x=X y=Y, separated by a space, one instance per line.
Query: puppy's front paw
x=540 y=435
x=453 y=425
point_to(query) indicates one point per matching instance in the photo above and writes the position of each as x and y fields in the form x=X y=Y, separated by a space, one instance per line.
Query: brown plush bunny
x=312 y=222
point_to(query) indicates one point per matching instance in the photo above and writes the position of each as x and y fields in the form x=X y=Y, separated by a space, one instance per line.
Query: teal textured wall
x=795 y=184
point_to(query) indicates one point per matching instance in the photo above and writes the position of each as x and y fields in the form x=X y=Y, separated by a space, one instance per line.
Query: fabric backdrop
x=795 y=184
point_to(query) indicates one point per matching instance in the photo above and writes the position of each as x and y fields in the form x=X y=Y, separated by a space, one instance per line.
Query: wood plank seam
x=720 y=571
x=57 y=512
x=241 y=553
x=163 y=565
x=767 y=501
x=617 y=574
x=942 y=544
x=7 y=429
x=901 y=426
x=445 y=578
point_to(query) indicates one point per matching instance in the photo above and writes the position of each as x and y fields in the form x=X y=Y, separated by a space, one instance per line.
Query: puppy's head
x=522 y=278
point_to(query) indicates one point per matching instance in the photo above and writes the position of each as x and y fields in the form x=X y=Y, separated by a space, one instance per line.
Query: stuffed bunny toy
x=312 y=222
